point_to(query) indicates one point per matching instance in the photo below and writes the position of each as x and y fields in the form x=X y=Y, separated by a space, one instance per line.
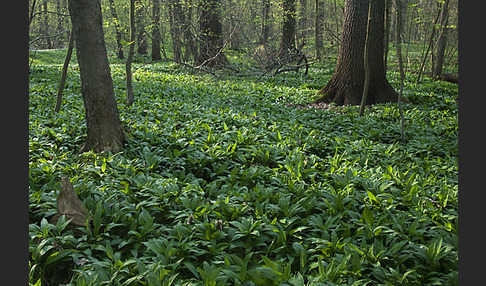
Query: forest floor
x=223 y=181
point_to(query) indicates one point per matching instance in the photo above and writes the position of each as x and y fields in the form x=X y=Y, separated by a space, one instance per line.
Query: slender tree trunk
x=288 y=29
x=31 y=13
x=175 y=28
x=211 y=45
x=318 y=27
x=190 y=46
x=128 y=65
x=303 y=23
x=142 y=47
x=429 y=46
x=105 y=132
x=60 y=40
x=366 y=84
x=64 y=72
x=233 y=32
x=45 y=25
x=155 y=30
x=442 y=41
x=398 y=43
x=265 y=27
x=117 y=30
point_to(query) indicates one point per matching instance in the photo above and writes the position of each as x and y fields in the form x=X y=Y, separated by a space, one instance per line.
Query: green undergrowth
x=221 y=182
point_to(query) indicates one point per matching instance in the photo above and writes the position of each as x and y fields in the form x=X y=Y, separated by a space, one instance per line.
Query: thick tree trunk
x=380 y=89
x=156 y=31
x=105 y=132
x=318 y=27
x=211 y=46
x=346 y=85
x=288 y=28
x=128 y=64
x=117 y=30
x=442 y=41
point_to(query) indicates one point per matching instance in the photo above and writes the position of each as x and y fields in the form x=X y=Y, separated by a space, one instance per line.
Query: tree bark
x=175 y=28
x=142 y=47
x=387 y=31
x=104 y=129
x=318 y=28
x=264 y=31
x=429 y=46
x=59 y=28
x=64 y=72
x=380 y=89
x=346 y=85
x=442 y=41
x=128 y=64
x=398 y=43
x=366 y=84
x=211 y=45
x=288 y=28
x=45 y=25
x=303 y=23
x=117 y=30
x=156 y=31
x=189 y=41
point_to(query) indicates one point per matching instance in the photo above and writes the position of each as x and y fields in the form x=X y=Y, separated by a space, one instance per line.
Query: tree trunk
x=60 y=40
x=211 y=45
x=234 y=39
x=380 y=89
x=442 y=41
x=142 y=47
x=303 y=23
x=45 y=25
x=105 y=132
x=387 y=31
x=117 y=30
x=366 y=84
x=64 y=72
x=288 y=29
x=265 y=27
x=156 y=31
x=346 y=85
x=128 y=64
x=175 y=28
x=398 y=43
x=190 y=46
x=429 y=46
x=318 y=28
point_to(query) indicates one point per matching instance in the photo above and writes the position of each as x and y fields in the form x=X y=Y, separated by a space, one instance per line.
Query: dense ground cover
x=222 y=182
